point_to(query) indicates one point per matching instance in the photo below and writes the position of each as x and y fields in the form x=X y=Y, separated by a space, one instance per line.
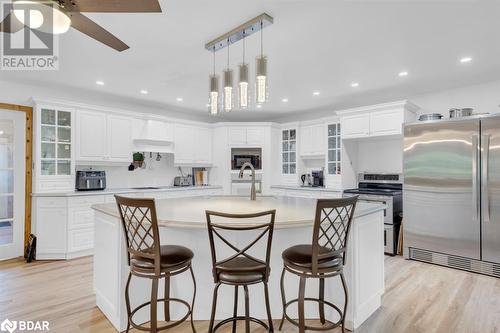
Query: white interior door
x=12 y=183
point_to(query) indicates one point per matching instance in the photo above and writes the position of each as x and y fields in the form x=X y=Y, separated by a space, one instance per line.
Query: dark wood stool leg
x=302 y=291
x=268 y=308
x=214 y=307
x=167 y=296
x=127 y=300
x=344 y=285
x=247 y=310
x=322 y=299
x=194 y=297
x=235 y=311
x=283 y=297
x=154 y=306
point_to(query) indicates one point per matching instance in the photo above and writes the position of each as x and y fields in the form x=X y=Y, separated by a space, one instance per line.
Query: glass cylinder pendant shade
x=228 y=90
x=243 y=86
x=261 y=92
x=213 y=98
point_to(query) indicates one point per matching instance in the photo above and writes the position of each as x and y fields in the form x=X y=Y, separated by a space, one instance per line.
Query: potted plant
x=138 y=159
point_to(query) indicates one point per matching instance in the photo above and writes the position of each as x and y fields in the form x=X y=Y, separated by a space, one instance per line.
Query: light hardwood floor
x=419 y=298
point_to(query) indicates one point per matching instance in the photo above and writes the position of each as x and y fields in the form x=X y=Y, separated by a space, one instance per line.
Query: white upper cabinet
x=377 y=120
x=312 y=140
x=246 y=136
x=193 y=145
x=120 y=145
x=103 y=138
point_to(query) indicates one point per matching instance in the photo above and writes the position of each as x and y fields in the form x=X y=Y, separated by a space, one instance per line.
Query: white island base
x=182 y=222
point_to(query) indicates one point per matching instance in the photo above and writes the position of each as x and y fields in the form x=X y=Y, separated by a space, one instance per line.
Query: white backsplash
x=156 y=173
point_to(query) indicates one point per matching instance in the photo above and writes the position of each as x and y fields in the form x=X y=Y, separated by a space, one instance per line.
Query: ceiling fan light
x=261 y=91
x=243 y=86
x=40 y=13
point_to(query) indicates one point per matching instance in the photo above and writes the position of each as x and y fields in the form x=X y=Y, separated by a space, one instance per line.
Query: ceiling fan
x=66 y=13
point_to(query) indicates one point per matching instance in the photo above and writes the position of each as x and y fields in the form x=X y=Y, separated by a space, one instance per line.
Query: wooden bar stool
x=322 y=259
x=241 y=268
x=148 y=259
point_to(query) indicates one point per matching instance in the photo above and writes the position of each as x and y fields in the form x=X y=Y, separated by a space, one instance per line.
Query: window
x=334 y=149
x=55 y=142
x=289 y=151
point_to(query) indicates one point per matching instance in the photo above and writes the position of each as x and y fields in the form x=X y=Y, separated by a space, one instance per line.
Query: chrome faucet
x=253 y=195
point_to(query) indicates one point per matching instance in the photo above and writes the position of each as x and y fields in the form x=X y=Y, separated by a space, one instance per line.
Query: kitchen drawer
x=85 y=201
x=80 y=218
x=79 y=240
x=51 y=202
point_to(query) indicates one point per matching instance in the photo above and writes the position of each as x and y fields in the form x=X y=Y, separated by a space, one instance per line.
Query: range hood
x=155 y=136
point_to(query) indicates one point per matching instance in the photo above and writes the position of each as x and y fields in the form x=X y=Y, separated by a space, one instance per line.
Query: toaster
x=183 y=181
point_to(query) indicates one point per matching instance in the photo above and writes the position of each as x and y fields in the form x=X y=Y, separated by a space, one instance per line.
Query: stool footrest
x=230 y=320
x=175 y=323
x=315 y=328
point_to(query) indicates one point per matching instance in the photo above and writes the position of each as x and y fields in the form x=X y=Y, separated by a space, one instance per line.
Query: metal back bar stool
x=323 y=258
x=149 y=259
x=241 y=268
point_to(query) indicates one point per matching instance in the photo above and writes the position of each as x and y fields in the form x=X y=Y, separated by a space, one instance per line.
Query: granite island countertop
x=111 y=191
x=291 y=212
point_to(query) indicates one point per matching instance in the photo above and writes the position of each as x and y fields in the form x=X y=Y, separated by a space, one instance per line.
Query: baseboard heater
x=465 y=264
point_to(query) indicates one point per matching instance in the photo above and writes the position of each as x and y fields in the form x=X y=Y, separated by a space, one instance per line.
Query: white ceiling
x=314 y=45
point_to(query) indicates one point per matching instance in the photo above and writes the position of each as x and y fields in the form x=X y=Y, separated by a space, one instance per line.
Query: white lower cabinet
x=299 y=193
x=64 y=226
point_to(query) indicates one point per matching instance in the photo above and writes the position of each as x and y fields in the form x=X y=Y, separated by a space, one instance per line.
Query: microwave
x=240 y=156
x=90 y=180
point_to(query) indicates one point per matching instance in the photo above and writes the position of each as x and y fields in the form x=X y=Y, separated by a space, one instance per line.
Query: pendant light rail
x=246 y=29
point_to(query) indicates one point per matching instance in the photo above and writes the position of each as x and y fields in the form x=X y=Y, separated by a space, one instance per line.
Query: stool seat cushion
x=301 y=256
x=241 y=270
x=171 y=256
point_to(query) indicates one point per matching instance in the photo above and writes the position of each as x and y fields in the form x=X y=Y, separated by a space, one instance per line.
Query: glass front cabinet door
x=55 y=148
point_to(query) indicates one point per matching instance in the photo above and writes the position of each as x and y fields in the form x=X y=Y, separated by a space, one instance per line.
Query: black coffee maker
x=317 y=178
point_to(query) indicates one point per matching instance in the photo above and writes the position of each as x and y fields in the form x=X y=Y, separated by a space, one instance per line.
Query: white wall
x=380 y=156
x=156 y=173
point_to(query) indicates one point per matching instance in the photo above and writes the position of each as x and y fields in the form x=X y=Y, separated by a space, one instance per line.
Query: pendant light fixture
x=228 y=84
x=261 y=91
x=243 y=80
x=213 y=98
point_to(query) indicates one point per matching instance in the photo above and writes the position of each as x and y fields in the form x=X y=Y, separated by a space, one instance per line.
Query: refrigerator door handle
x=475 y=177
x=485 y=177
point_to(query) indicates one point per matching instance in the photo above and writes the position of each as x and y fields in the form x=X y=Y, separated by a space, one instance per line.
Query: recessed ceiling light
x=354 y=84
x=259 y=106
x=316 y=93
x=1 y=132
x=465 y=59
x=284 y=100
x=404 y=73
x=179 y=99
x=144 y=92
x=99 y=83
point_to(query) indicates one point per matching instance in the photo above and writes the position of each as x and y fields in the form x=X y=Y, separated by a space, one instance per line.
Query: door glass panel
x=63 y=151
x=292 y=146
x=285 y=135
x=285 y=168
x=48 y=150
x=332 y=143
x=6 y=153
x=6 y=207
x=292 y=168
x=48 y=133
x=48 y=167
x=48 y=117
x=293 y=134
x=64 y=134
x=331 y=168
x=292 y=157
x=332 y=130
x=6 y=181
x=63 y=167
x=63 y=118
x=332 y=156
x=285 y=157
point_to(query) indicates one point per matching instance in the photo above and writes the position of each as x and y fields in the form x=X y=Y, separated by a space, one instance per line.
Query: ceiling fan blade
x=116 y=6
x=10 y=24
x=92 y=29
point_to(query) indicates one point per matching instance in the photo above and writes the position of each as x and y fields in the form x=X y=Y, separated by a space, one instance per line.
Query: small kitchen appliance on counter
x=386 y=189
x=317 y=178
x=183 y=181
x=200 y=177
x=90 y=180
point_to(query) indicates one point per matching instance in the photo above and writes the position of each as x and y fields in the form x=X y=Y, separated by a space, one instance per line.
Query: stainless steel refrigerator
x=451 y=197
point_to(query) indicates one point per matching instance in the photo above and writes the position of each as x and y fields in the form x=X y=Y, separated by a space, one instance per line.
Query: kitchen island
x=183 y=222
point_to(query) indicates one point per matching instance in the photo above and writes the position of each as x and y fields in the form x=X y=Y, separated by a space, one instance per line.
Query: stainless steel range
x=387 y=189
